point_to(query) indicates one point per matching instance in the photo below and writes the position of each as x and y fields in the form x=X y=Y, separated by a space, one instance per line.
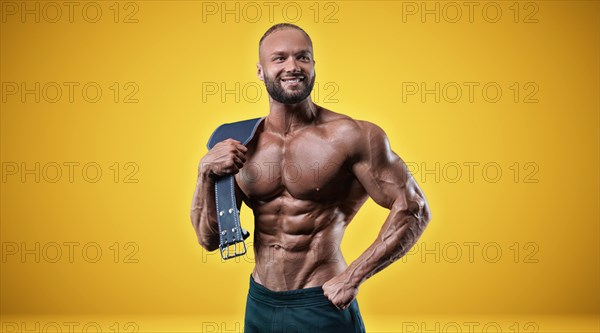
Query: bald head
x=278 y=27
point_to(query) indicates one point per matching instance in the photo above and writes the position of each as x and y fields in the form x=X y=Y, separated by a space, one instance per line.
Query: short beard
x=276 y=91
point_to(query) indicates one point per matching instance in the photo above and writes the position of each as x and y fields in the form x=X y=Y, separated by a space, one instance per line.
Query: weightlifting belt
x=228 y=216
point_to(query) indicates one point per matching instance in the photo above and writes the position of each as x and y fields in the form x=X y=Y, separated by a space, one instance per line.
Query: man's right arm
x=225 y=158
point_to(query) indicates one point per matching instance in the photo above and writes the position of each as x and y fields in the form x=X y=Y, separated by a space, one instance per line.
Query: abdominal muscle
x=297 y=246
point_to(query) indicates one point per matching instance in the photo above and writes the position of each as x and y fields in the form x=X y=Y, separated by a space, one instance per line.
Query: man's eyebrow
x=284 y=52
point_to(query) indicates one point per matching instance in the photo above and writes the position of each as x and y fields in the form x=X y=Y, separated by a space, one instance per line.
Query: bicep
x=382 y=173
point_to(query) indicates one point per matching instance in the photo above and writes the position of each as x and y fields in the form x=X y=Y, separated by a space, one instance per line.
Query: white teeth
x=293 y=81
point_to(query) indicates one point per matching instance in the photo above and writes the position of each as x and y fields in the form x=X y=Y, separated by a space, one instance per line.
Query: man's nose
x=291 y=65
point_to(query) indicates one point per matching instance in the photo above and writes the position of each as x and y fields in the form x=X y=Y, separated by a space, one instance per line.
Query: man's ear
x=259 y=72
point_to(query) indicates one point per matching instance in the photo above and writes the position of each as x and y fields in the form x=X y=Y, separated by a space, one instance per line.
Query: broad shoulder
x=354 y=131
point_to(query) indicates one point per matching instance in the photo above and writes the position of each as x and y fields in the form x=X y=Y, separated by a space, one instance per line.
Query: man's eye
x=304 y=58
x=278 y=58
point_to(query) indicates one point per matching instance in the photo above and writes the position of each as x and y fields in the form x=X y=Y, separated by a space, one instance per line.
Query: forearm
x=399 y=233
x=203 y=212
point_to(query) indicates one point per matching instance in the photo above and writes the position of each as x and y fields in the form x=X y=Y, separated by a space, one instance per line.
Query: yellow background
x=172 y=51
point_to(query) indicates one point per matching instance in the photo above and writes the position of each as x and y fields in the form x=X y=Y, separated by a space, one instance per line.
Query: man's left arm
x=388 y=182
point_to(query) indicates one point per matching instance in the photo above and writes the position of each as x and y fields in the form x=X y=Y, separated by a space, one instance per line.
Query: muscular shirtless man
x=312 y=169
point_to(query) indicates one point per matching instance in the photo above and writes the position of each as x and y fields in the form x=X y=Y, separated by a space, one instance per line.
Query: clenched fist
x=340 y=291
x=225 y=158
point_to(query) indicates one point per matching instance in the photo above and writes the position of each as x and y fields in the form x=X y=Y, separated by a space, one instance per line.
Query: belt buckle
x=226 y=253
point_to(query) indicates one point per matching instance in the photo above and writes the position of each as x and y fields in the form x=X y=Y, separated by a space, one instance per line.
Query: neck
x=286 y=118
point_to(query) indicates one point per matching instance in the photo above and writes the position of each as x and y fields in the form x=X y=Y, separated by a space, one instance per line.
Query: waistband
x=290 y=298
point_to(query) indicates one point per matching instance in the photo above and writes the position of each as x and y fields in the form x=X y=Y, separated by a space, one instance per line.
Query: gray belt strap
x=228 y=216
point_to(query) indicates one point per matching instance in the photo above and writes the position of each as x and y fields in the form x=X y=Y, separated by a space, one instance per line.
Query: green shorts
x=296 y=311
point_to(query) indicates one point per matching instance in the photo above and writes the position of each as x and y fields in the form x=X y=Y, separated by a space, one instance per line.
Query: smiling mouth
x=291 y=80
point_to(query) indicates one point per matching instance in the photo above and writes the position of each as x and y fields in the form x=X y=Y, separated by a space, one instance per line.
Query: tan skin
x=309 y=170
